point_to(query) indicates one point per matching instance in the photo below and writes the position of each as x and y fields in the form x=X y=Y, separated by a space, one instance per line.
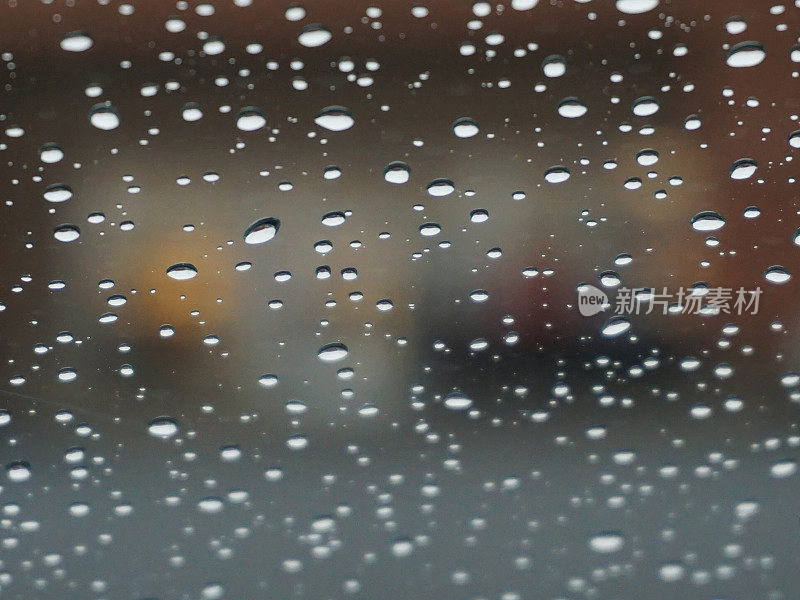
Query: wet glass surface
x=292 y=296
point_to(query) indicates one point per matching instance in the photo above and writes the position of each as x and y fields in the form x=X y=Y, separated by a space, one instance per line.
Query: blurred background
x=584 y=467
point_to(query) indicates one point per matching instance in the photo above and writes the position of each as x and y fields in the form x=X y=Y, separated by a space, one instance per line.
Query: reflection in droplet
x=777 y=274
x=645 y=106
x=18 y=471
x=606 y=542
x=572 y=108
x=262 y=230
x=76 y=41
x=457 y=401
x=250 y=118
x=397 y=172
x=163 y=427
x=441 y=187
x=615 y=326
x=104 y=116
x=465 y=127
x=708 y=221
x=556 y=174
x=50 y=153
x=58 y=192
x=335 y=118
x=312 y=36
x=554 y=66
x=67 y=233
x=746 y=54
x=332 y=352
x=182 y=271
x=744 y=168
x=635 y=7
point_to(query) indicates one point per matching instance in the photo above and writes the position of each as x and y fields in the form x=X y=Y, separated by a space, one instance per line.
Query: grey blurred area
x=585 y=467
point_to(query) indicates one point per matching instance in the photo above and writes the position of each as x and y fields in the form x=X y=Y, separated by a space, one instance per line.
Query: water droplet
x=332 y=352
x=606 y=542
x=402 y=548
x=647 y=157
x=554 y=66
x=645 y=106
x=262 y=231
x=18 y=471
x=440 y=187
x=556 y=175
x=430 y=229
x=335 y=118
x=457 y=401
x=465 y=127
x=777 y=274
x=52 y=153
x=58 y=192
x=735 y=25
x=783 y=468
x=635 y=7
x=250 y=118
x=104 y=116
x=746 y=54
x=744 y=168
x=707 y=221
x=76 y=41
x=191 y=112
x=572 y=108
x=66 y=233
x=67 y=374
x=397 y=172
x=313 y=36
x=333 y=219
x=213 y=46
x=182 y=271
x=163 y=427
x=615 y=326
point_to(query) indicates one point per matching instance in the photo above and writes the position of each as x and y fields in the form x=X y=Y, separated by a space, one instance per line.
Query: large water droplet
x=76 y=41
x=645 y=106
x=250 y=118
x=262 y=231
x=606 y=542
x=182 y=271
x=312 y=36
x=746 y=54
x=777 y=274
x=572 y=108
x=104 y=116
x=556 y=175
x=50 y=153
x=58 y=192
x=66 y=233
x=465 y=127
x=332 y=352
x=554 y=66
x=441 y=187
x=397 y=172
x=335 y=118
x=163 y=427
x=615 y=326
x=744 y=168
x=635 y=7
x=18 y=471
x=707 y=221
x=457 y=401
